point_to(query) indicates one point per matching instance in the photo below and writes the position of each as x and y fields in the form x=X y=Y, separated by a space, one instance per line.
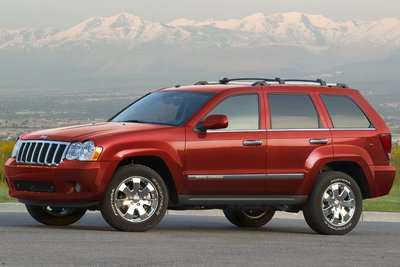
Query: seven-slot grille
x=36 y=152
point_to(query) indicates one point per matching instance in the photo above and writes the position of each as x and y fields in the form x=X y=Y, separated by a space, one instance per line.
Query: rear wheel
x=249 y=218
x=136 y=199
x=55 y=216
x=335 y=204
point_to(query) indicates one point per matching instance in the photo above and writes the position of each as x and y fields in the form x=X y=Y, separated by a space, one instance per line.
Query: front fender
x=171 y=158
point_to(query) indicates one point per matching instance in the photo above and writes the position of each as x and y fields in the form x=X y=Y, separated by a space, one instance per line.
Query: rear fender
x=313 y=165
x=321 y=157
x=358 y=155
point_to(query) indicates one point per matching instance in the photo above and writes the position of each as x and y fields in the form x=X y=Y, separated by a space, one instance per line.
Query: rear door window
x=292 y=111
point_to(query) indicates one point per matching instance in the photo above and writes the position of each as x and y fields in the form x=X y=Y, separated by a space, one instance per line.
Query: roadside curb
x=367 y=216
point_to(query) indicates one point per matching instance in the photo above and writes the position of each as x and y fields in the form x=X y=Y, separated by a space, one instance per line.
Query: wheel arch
x=354 y=170
x=159 y=166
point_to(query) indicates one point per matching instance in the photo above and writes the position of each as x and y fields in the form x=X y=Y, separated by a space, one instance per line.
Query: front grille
x=35 y=152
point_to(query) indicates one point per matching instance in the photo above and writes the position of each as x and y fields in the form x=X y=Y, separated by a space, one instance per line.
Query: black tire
x=55 y=216
x=249 y=218
x=136 y=199
x=335 y=204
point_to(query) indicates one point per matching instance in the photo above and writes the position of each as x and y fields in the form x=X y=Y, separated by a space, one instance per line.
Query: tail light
x=386 y=141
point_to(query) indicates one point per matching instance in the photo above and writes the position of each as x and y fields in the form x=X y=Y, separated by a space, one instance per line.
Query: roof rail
x=321 y=82
x=266 y=81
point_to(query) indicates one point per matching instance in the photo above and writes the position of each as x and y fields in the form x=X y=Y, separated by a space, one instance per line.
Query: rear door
x=296 y=136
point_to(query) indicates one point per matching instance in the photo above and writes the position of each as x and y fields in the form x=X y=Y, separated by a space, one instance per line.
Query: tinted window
x=164 y=107
x=291 y=111
x=242 y=112
x=344 y=112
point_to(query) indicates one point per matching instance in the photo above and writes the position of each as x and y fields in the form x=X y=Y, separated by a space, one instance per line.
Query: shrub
x=6 y=148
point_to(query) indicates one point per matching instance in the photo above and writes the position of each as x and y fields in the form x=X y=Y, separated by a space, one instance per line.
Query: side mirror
x=216 y=121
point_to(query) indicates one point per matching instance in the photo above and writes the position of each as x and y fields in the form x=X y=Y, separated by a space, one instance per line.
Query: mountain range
x=125 y=49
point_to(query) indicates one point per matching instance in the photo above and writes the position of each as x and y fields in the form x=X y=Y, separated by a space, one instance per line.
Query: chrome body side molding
x=246 y=176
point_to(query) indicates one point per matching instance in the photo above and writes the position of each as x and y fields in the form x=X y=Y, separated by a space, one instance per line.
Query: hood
x=90 y=131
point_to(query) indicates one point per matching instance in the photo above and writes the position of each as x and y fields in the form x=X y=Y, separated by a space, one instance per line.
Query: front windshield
x=164 y=107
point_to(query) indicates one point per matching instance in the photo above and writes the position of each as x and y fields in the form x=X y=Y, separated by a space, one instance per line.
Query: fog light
x=78 y=188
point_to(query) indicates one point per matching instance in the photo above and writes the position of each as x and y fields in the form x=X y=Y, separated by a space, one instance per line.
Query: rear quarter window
x=345 y=113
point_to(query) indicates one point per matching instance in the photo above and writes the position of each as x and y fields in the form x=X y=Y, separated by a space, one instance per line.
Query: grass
x=4 y=194
x=389 y=203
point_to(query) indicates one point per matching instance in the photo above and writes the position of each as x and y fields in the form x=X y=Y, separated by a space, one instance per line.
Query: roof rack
x=226 y=80
x=266 y=81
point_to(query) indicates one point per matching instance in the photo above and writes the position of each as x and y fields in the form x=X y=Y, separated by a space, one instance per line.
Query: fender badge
x=43 y=137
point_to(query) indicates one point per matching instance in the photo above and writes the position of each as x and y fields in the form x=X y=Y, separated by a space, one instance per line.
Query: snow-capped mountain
x=24 y=38
x=290 y=29
x=128 y=49
x=300 y=29
x=120 y=31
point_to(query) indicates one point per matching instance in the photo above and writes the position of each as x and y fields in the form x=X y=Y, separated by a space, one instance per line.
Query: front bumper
x=74 y=183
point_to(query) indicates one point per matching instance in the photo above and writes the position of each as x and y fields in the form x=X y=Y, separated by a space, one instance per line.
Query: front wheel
x=55 y=216
x=334 y=205
x=249 y=218
x=136 y=199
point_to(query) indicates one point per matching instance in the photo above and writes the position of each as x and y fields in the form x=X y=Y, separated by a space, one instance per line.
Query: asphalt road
x=182 y=240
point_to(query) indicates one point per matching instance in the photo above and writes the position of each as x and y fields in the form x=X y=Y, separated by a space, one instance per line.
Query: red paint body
x=186 y=152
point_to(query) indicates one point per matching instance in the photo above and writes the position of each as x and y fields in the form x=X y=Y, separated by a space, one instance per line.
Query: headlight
x=16 y=148
x=74 y=150
x=86 y=151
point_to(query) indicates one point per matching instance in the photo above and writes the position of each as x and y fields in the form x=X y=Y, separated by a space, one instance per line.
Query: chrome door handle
x=252 y=142
x=318 y=141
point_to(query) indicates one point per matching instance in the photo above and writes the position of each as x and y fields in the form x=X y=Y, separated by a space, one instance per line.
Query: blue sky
x=64 y=13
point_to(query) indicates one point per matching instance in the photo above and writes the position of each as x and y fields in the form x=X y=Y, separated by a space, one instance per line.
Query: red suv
x=247 y=146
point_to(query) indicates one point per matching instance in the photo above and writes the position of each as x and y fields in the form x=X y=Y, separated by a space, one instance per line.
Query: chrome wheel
x=338 y=204
x=136 y=199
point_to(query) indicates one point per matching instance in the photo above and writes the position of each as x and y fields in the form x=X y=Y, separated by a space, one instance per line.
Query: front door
x=230 y=161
